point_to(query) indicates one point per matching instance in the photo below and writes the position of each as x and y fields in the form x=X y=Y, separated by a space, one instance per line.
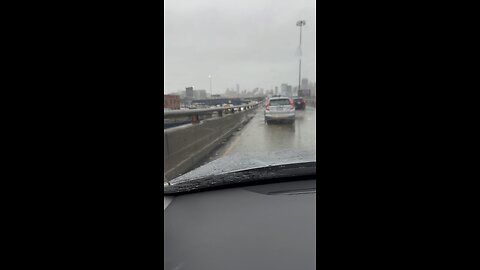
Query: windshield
x=231 y=70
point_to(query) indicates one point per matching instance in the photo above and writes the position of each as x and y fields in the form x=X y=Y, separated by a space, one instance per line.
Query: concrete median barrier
x=186 y=146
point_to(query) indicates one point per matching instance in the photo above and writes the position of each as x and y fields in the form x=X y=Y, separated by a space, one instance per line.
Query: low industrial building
x=171 y=102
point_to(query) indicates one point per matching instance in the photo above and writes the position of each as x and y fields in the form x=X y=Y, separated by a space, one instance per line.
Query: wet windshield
x=226 y=65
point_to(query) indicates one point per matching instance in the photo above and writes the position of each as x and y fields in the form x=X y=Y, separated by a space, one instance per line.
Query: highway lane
x=257 y=136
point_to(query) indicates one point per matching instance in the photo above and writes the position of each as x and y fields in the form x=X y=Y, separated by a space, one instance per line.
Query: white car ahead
x=280 y=109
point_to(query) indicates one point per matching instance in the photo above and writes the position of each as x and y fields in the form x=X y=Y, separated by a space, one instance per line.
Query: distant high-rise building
x=304 y=84
x=199 y=94
x=283 y=89
x=238 y=88
x=202 y=94
x=286 y=90
x=189 y=92
x=276 y=90
x=289 y=91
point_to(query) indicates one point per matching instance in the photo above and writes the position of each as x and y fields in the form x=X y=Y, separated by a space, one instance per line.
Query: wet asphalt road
x=257 y=136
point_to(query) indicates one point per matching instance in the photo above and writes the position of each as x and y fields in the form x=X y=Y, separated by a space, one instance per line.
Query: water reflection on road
x=257 y=136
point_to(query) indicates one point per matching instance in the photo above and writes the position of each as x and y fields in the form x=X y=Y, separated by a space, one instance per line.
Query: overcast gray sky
x=249 y=42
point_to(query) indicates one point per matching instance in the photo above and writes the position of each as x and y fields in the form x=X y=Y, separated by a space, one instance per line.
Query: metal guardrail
x=195 y=113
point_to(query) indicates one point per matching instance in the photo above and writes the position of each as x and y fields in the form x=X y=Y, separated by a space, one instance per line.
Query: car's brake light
x=268 y=106
x=292 y=104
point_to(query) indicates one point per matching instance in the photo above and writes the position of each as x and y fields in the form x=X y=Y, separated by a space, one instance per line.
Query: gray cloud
x=252 y=43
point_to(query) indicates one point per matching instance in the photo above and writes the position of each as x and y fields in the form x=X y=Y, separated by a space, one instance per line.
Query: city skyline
x=229 y=86
x=283 y=89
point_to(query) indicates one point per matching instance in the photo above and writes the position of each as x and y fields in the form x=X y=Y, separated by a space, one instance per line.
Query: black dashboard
x=269 y=226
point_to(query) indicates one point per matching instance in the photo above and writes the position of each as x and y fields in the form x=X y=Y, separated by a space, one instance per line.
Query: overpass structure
x=218 y=101
x=227 y=100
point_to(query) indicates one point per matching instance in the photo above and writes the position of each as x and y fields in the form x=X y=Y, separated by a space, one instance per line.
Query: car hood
x=240 y=168
x=246 y=161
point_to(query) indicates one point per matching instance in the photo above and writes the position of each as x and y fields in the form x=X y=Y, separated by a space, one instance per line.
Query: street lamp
x=300 y=23
x=210 y=77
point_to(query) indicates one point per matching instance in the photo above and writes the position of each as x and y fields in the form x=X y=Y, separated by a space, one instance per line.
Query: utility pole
x=300 y=23
x=210 y=77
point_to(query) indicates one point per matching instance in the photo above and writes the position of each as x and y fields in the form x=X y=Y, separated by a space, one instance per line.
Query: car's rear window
x=279 y=102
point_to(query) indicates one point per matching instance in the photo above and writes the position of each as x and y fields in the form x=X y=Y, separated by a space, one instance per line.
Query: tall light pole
x=300 y=23
x=210 y=77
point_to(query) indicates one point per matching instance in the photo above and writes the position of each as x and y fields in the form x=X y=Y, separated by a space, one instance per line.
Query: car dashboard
x=269 y=226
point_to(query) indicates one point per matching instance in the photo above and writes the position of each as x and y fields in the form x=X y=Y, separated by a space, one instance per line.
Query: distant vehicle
x=299 y=103
x=280 y=109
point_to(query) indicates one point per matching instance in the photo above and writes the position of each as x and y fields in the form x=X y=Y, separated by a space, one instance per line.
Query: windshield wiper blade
x=253 y=176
